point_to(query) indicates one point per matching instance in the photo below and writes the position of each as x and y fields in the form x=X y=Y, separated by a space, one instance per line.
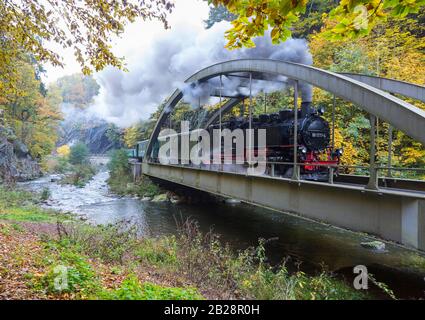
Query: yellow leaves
x=350 y=153
x=249 y=11
x=275 y=34
x=255 y=17
x=63 y=150
x=391 y=51
x=411 y=156
x=32 y=116
x=360 y=17
x=131 y=136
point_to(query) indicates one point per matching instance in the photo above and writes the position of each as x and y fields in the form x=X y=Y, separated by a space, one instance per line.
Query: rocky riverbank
x=16 y=164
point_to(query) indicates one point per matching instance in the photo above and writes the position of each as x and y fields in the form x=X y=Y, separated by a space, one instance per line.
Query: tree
x=63 y=150
x=30 y=111
x=350 y=18
x=118 y=165
x=84 y=26
x=394 y=49
x=114 y=134
x=77 y=89
x=131 y=136
x=79 y=154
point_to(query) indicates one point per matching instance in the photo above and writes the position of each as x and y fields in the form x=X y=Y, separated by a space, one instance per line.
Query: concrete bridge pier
x=413 y=223
x=136 y=169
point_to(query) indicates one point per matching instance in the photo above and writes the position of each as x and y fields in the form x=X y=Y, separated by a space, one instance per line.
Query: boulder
x=232 y=201
x=20 y=149
x=177 y=199
x=374 y=245
x=160 y=198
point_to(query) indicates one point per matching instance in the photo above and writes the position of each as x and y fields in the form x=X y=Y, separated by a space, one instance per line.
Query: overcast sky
x=138 y=37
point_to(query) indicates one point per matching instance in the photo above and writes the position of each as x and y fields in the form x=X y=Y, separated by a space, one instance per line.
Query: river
x=310 y=245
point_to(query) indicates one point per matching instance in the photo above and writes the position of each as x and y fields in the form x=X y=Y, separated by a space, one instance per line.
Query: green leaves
x=255 y=17
x=350 y=19
x=354 y=19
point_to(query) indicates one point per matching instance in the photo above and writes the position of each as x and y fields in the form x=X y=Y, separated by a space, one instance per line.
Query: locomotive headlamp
x=321 y=110
x=340 y=152
x=304 y=150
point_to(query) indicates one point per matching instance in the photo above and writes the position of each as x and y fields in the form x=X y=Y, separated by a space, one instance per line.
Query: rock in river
x=160 y=198
x=375 y=245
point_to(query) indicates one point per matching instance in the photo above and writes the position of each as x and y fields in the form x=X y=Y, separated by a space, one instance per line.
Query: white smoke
x=126 y=98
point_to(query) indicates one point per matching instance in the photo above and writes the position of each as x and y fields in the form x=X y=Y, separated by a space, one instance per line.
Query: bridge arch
x=406 y=89
x=400 y=114
x=393 y=86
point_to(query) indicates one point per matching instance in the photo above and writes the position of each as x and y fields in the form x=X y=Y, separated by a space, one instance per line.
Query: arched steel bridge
x=392 y=209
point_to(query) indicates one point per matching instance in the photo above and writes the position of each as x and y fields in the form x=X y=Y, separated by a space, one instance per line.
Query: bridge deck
x=390 y=213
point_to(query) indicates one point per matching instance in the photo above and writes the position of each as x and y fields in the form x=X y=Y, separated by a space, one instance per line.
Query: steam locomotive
x=314 y=152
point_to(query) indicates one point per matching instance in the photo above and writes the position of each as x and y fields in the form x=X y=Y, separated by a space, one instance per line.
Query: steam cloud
x=125 y=98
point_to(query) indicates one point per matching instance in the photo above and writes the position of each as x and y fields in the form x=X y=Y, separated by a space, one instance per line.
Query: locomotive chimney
x=307 y=98
x=306 y=108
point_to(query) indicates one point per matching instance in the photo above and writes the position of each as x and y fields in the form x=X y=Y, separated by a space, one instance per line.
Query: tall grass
x=206 y=263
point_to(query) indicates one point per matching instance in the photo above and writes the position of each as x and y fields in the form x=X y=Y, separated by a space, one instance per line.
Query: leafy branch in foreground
x=350 y=18
x=83 y=26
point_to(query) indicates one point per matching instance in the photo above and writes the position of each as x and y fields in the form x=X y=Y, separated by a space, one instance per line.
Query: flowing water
x=313 y=245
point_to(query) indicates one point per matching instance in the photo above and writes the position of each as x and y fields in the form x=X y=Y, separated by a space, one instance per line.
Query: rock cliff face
x=81 y=126
x=16 y=164
x=92 y=134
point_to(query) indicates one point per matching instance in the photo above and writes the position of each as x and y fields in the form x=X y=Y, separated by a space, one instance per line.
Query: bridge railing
x=336 y=174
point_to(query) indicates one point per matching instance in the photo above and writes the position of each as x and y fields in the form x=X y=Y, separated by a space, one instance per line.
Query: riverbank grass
x=22 y=206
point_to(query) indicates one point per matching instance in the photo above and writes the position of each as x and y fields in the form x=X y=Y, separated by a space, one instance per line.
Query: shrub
x=14 y=197
x=80 y=276
x=62 y=165
x=159 y=252
x=81 y=174
x=79 y=154
x=118 y=164
x=111 y=243
x=246 y=274
x=121 y=182
x=64 y=150
x=203 y=261
x=45 y=194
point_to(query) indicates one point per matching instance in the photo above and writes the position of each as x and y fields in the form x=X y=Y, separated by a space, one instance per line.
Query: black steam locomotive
x=314 y=152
